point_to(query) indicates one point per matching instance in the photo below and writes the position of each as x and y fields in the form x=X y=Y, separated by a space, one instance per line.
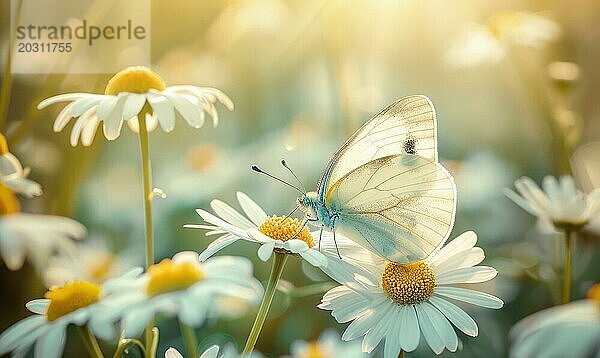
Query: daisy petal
x=463 y=242
x=429 y=332
x=252 y=210
x=314 y=257
x=471 y=296
x=172 y=353
x=38 y=306
x=12 y=336
x=359 y=326
x=409 y=330
x=376 y=334
x=188 y=111
x=467 y=275
x=392 y=339
x=456 y=315
x=52 y=343
x=441 y=326
x=217 y=245
x=230 y=215
x=133 y=105
x=266 y=250
x=66 y=97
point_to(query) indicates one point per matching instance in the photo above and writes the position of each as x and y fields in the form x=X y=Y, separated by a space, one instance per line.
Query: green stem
x=401 y=354
x=566 y=294
x=147 y=184
x=90 y=342
x=276 y=270
x=6 y=88
x=189 y=336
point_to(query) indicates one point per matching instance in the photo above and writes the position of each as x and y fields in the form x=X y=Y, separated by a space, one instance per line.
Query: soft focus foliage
x=515 y=84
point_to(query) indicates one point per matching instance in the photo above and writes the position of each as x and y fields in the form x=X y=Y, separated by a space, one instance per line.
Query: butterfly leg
x=320 y=237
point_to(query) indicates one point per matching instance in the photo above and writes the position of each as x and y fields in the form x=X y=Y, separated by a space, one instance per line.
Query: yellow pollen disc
x=278 y=229
x=3 y=145
x=9 y=203
x=136 y=79
x=314 y=350
x=594 y=293
x=408 y=284
x=169 y=276
x=71 y=297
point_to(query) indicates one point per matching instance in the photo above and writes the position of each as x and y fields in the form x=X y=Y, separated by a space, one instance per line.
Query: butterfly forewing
x=400 y=206
x=408 y=126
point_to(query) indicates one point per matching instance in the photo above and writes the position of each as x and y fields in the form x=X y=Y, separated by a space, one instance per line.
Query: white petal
x=433 y=339
x=266 y=250
x=410 y=333
x=379 y=330
x=210 y=218
x=106 y=106
x=441 y=326
x=469 y=258
x=188 y=111
x=165 y=112
x=392 y=339
x=12 y=336
x=51 y=345
x=12 y=250
x=217 y=245
x=456 y=315
x=63 y=118
x=295 y=245
x=315 y=258
x=360 y=325
x=89 y=131
x=252 y=209
x=524 y=204
x=66 y=97
x=80 y=124
x=136 y=319
x=38 y=306
x=463 y=242
x=230 y=215
x=133 y=105
x=211 y=352
x=467 y=275
x=113 y=122
x=192 y=311
x=186 y=256
x=470 y=296
x=172 y=353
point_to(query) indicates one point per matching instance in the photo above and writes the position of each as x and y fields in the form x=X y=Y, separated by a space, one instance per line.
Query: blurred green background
x=304 y=75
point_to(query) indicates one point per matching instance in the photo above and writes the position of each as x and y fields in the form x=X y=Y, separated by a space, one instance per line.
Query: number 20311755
x=44 y=47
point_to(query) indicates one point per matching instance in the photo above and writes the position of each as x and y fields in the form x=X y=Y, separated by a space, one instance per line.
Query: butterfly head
x=307 y=203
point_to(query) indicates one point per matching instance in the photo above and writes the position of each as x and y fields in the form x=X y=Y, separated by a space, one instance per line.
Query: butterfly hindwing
x=400 y=206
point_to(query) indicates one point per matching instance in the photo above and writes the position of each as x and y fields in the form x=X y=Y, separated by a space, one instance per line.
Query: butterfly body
x=384 y=188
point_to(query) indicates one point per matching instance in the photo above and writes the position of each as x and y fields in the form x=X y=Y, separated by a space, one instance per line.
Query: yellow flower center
x=71 y=297
x=9 y=203
x=3 y=145
x=408 y=284
x=314 y=350
x=169 y=276
x=278 y=229
x=135 y=79
x=594 y=293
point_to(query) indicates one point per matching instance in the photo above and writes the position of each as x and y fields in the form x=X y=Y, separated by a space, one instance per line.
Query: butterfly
x=384 y=188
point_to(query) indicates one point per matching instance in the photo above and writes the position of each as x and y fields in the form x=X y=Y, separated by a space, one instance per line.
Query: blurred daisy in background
x=400 y=302
x=13 y=175
x=272 y=233
x=31 y=236
x=487 y=44
x=329 y=345
x=560 y=204
x=182 y=287
x=569 y=330
x=215 y=351
x=131 y=92
x=94 y=263
x=77 y=302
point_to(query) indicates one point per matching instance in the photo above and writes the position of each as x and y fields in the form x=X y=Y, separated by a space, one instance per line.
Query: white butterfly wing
x=401 y=207
x=408 y=126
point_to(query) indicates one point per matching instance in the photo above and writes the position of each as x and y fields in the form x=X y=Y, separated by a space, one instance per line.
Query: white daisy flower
x=33 y=236
x=13 y=175
x=213 y=352
x=183 y=287
x=489 y=43
x=272 y=233
x=399 y=302
x=329 y=345
x=77 y=303
x=569 y=330
x=131 y=92
x=93 y=262
x=560 y=204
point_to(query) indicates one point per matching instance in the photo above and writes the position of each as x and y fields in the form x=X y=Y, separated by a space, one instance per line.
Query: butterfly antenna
x=258 y=170
x=283 y=162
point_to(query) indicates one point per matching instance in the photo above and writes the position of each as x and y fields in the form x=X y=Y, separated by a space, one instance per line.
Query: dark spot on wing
x=410 y=146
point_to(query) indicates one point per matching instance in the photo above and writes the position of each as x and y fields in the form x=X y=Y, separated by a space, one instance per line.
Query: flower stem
x=566 y=294
x=276 y=270
x=125 y=343
x=401 y=354
x=147 y=192
x=90 y=342
x=189 y=336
